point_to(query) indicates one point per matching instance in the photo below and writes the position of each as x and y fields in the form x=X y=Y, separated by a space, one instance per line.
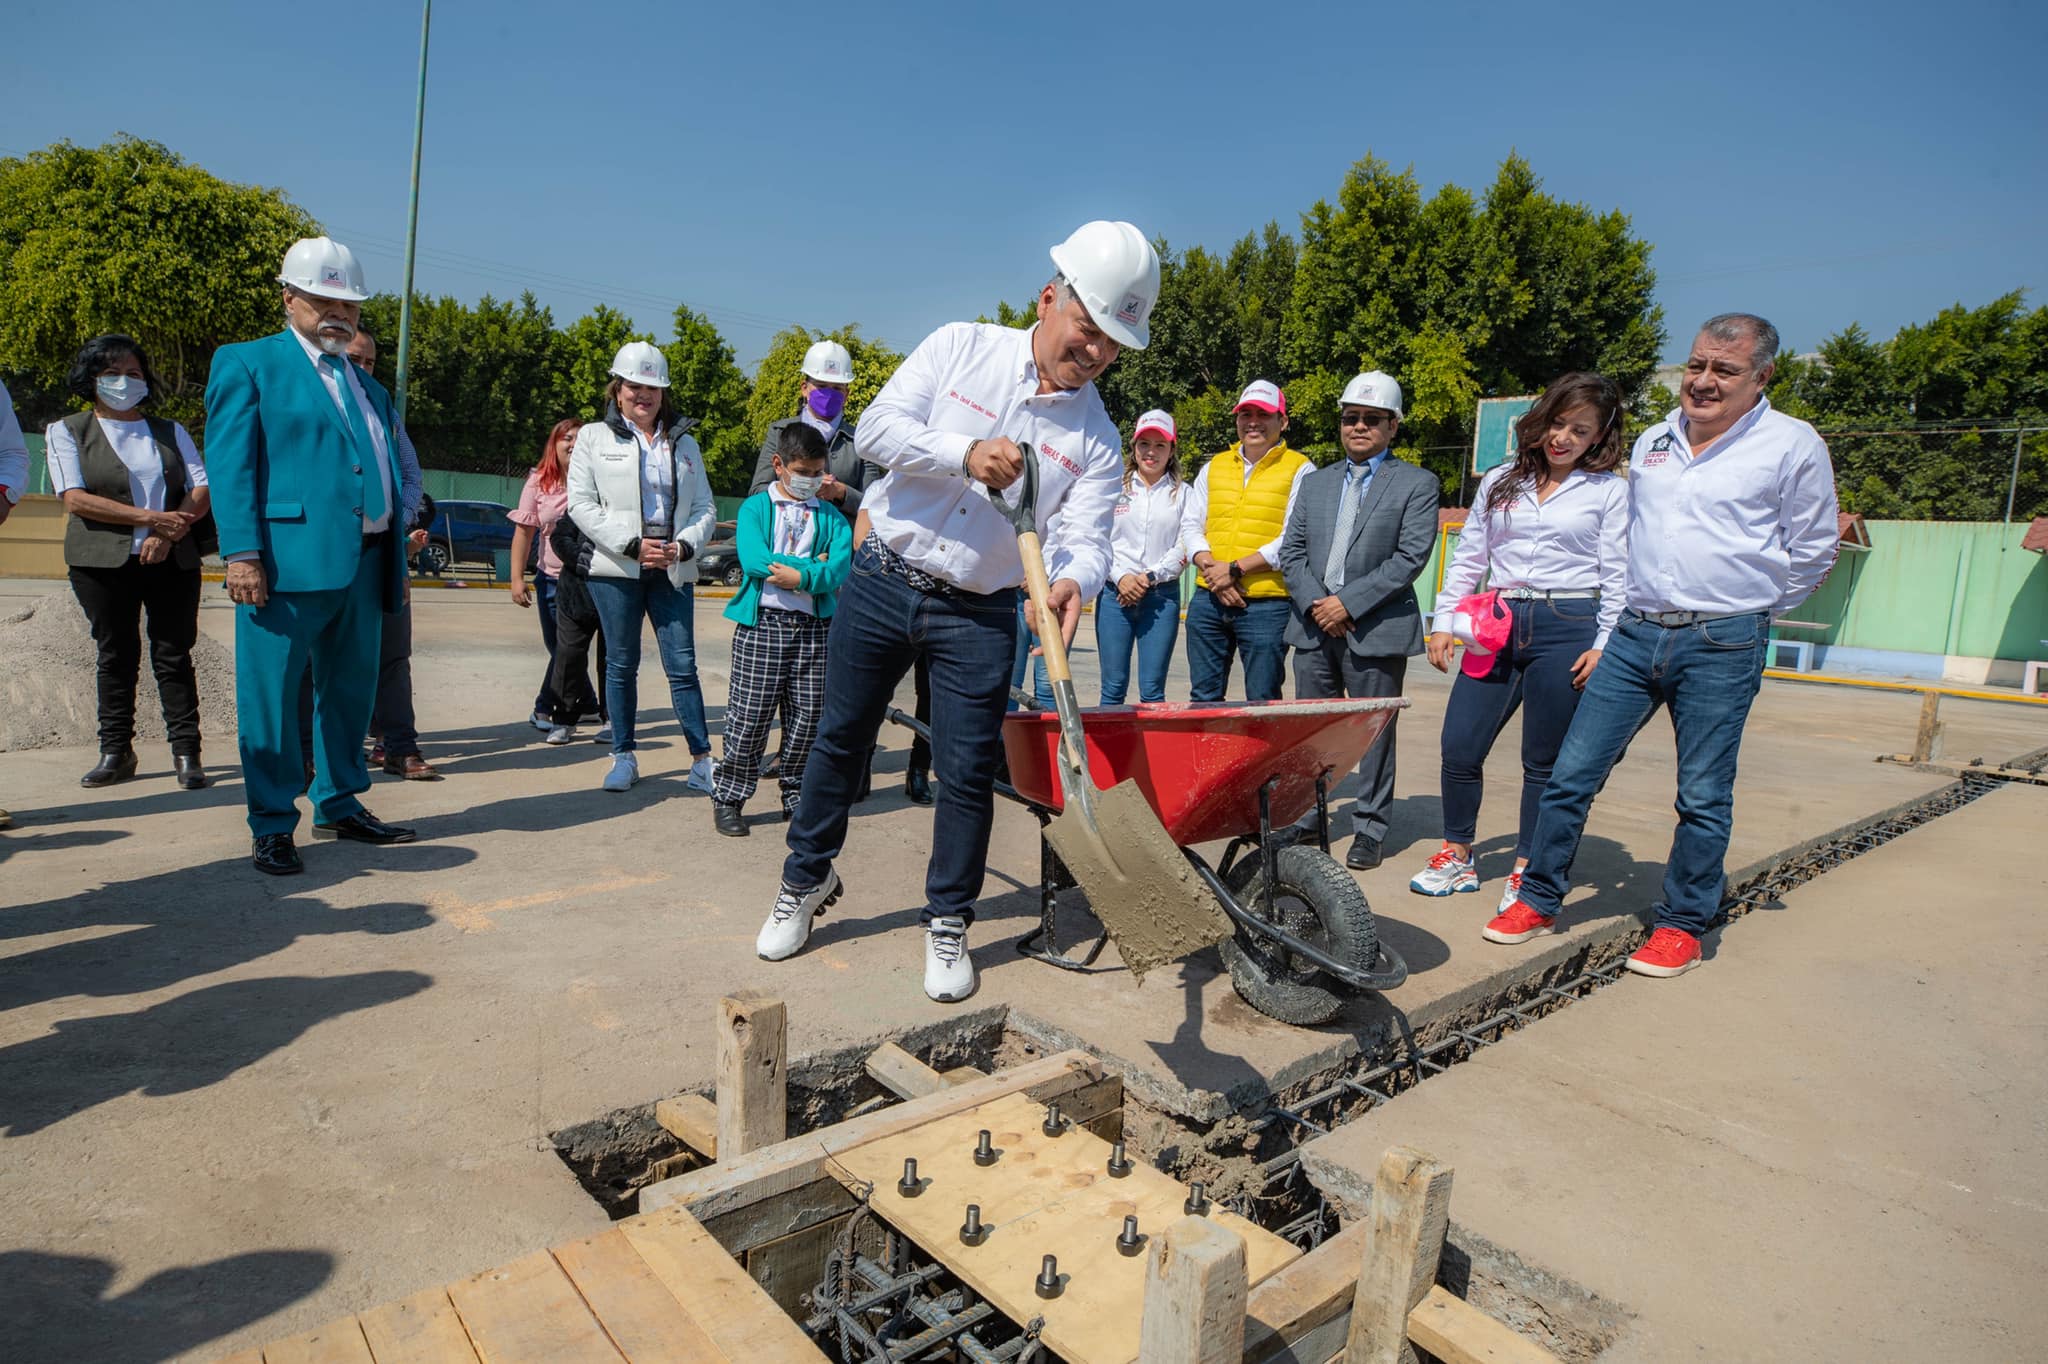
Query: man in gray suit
x=1355 y=543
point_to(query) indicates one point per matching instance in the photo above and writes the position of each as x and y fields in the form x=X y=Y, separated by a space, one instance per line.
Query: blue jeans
x=1022 y=663
x=1708 y=674
x=621 y=603
x=1532 y=673
x=879 y=627
x=1256 y=630
x=1152 y=625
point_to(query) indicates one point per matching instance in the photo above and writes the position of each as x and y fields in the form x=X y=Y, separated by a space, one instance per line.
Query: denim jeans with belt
x=1533 y=673
x=1708 y=674
x=1152 y=625
x=1257 y=631
x=621 y=604
x=880 y=625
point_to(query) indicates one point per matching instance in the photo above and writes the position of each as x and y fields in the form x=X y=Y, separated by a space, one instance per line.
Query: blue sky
x=904 y=165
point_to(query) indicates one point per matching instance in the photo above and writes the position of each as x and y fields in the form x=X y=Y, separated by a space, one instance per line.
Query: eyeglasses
x=1356 y=418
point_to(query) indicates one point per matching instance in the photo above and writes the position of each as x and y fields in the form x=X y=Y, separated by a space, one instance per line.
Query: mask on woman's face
x=826 y=403
x=120 y=391
x=804 y=486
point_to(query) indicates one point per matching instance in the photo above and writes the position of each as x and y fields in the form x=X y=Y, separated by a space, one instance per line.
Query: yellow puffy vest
x=1245 y=513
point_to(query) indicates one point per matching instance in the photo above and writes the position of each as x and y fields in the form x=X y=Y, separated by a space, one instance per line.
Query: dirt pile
x=47 y=694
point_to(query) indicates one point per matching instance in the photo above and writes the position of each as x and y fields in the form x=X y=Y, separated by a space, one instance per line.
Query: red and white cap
x=1263 y=394
x=1158 y=423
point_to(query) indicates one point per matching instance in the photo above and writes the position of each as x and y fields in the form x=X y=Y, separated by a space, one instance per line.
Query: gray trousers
x=1334 y=671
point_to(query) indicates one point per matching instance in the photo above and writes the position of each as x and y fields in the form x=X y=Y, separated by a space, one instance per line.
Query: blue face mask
x=826 y=403
x=120 y=391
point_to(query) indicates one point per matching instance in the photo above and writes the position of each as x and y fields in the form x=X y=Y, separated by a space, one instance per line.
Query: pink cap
x=1264 y=395
x=1157 y=422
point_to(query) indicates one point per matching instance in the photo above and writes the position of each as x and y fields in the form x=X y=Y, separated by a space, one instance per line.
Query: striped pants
x=777 y=663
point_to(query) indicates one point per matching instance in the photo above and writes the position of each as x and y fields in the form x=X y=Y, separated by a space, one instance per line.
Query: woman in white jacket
x=637 y=488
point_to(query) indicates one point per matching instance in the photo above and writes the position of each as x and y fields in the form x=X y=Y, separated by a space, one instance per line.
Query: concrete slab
x=1827 y=1143
x=245 y=1106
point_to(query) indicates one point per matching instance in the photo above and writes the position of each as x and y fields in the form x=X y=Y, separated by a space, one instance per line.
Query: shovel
x=1139 y=882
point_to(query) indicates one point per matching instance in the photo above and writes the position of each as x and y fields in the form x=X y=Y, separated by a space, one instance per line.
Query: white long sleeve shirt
x=1578 y=539
x=137 y=451
x=13 y=452
x=1747 y=526
x=1144 y=535
x=969 y=381
x=1194 y=517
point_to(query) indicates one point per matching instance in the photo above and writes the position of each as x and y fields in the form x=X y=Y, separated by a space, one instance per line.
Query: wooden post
x=902 y=1074
x=753 y=1079
x=1927 y=740
x=1411 y=1208
x=1194 y=1296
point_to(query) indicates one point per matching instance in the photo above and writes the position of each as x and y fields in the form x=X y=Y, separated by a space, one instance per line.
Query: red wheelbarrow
x=1305 y=937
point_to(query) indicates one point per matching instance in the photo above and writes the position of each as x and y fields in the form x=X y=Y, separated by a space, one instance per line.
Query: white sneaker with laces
x=701 y=773
x=1446 y=874
x=560 y=734
x=1511 y=892
x=788 y=926
x=625 y=771
x=948 y=970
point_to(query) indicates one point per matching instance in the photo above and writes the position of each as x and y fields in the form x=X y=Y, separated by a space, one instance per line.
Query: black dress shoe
x=728 y=820
x=773 y=770
x=112 y=767
x=274 y=855
x=1364 y=854
x=917 y=785
x=364 y=827
x=191 y=775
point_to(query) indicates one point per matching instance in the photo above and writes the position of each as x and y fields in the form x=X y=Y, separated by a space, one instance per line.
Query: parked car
x=465 y=533
x=719 y=560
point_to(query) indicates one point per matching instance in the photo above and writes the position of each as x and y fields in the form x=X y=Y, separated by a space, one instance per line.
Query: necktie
x=1347 y=520
x=374 y=506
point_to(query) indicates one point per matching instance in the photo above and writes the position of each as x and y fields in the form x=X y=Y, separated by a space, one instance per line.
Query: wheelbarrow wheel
x=1317 y=901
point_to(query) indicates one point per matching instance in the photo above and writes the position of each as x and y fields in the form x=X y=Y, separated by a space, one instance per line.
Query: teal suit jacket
x=283 y=471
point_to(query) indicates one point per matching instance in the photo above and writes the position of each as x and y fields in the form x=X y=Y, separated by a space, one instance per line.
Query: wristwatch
x=1236 y=571
x=967 y=454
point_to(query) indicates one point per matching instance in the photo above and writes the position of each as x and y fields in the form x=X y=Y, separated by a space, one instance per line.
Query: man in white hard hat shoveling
x=939 y=571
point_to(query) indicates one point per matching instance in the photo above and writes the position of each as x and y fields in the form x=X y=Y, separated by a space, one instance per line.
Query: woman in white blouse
x=1140 y=602
x=137 y=495
x=1549 y=531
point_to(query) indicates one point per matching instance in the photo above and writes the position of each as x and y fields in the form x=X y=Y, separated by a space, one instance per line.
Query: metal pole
x=412 y=217
x=2019 y=442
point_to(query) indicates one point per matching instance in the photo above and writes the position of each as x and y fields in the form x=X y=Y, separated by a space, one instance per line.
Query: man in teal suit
x=302 y=457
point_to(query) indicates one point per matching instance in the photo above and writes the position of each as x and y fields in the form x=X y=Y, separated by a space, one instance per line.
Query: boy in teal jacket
x=794 y=551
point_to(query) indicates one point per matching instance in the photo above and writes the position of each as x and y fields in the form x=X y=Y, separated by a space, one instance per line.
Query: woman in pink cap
x=1548 y=532
x=1140 y=601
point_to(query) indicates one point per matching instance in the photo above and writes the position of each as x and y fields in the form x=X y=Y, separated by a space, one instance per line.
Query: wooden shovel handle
x=1050 y=639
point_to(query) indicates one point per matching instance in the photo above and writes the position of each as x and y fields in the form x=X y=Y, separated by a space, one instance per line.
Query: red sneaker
x=1669 y=952
x=1519 y=922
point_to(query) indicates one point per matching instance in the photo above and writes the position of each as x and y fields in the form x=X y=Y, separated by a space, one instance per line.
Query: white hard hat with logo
x=828 y=363
x=324 y=268
x=1372 y=389
x=641 y=362
x=1115 y=272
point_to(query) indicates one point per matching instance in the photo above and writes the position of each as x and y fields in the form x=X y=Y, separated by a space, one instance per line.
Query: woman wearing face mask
x=136 y=491
x=637 y=489
x=1548 y=531
x=1140 y=601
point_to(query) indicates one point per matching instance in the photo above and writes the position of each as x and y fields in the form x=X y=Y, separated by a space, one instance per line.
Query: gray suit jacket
x=840 y=462
x=1390 y=543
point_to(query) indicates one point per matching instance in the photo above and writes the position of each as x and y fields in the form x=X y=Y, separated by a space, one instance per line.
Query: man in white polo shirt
x=1731 y=523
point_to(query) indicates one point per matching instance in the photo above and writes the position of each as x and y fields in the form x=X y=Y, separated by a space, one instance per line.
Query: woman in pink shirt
x=542 y=502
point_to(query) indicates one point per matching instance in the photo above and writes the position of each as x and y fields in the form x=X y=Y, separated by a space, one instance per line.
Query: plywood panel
x=529 y=1313
x=739 y=1317
x=637 y=1311
x=421 y=1329
x=338 y=1342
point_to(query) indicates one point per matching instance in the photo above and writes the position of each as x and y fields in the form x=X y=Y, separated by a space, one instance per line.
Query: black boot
x=191 y=775
x=112 y=767
x=917 y=785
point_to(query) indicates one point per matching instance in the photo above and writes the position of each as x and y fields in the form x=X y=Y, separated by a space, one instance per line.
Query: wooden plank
x=1302 y=1296
x=740 y=1318
x=743 y=1181
x=338 y=1342
x=1194 y=1296
x=527 y=1312
x=252 y=1356
x=753 y=1072
x=1411 y=1207
x=691 y=1119
x=421 y=1329
x=789 y=1266
x=638 y=1312
x=902 y=1074
x=960 y=1075
x=1456 y=1332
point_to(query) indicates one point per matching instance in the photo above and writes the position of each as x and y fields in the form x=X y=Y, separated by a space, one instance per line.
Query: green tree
x=477 y=378
x=129 y=237
x=779 y=376
x=583 y=362
x=705 y=383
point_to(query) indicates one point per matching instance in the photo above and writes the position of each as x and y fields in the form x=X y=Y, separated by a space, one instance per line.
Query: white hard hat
x=828 y=363
x=1156 y=420
x=1372 y=389
x=1115 y=272
x=324 y=268
x=643 y=363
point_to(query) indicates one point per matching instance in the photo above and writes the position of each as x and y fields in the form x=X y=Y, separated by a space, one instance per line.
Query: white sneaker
x=948 y=970
x=603 y=735
x=540 y=722
x=1511 y=892
x=788 y=926
x=701 y=773
x=1446 y=874
x=625 y=771
x=560 y=734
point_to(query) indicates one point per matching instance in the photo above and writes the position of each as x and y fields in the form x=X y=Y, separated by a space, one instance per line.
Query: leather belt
x=1551 y=593
x=896 y=566
x=1671 y=620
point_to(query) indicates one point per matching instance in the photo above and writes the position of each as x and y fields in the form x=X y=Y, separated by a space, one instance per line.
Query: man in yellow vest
x=1231 y=526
